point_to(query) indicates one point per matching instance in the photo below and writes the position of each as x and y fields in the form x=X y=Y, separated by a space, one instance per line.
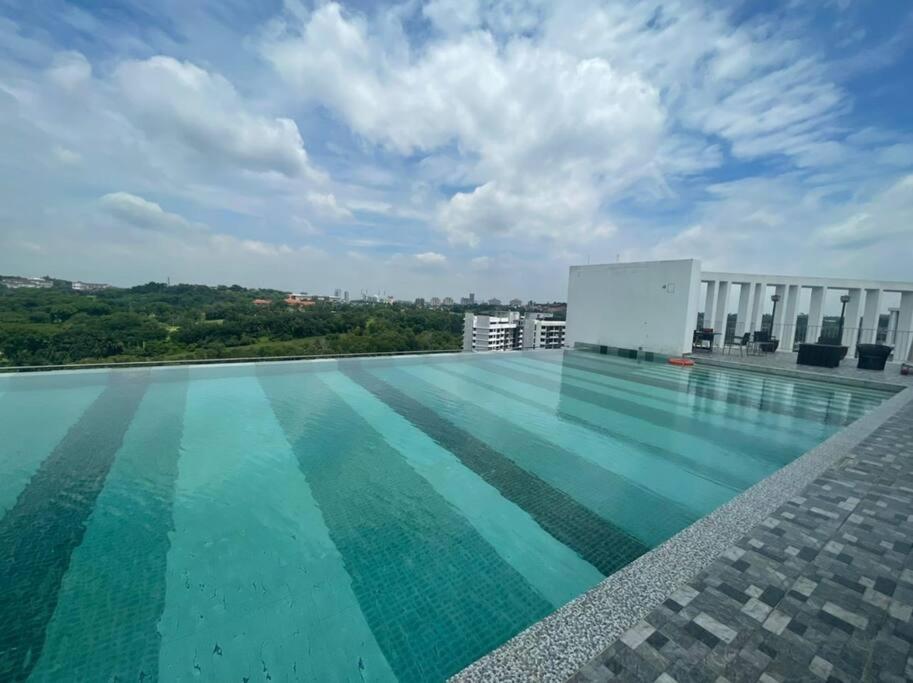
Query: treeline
x=160 y=322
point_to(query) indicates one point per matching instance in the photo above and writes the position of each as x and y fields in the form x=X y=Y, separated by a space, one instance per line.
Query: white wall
x=651 y=305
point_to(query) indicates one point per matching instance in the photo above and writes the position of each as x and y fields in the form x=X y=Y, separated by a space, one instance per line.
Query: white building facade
x=511 y=332
x=542 y=333
x=653 y=306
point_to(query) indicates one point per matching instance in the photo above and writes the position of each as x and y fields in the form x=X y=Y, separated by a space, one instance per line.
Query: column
x=757 y=308
x=870 y=316
x=788 y=336
x=743 y=321
x=904 y=326
x=719 y=319
x=815 y=315
x=851 y=319
x=710 y=304
x=777 y=327
x=893 y=314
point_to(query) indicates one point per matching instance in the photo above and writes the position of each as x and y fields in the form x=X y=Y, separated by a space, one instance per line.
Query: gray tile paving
x=820 y=590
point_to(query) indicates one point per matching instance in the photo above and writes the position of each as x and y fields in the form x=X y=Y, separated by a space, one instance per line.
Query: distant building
x=542 y=333
x=345 y=296
x=299 y=300
x=447 y=301
x=16 y=282
x=337 y=293
x=515 y=303
x=420 y=302
x=435 y=301
x=262 y=302
x=494 y=302
x=491 y=332
x=472 y=297
x=78 y=286
x=510 y=331
x=464 y=301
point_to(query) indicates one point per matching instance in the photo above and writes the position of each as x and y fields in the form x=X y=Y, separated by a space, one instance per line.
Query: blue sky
x=436 y=148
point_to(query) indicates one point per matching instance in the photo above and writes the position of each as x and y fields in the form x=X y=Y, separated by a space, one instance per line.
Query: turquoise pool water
x=363 y=520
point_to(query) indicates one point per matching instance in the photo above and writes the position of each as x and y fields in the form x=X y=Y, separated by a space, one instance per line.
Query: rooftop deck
x=806 y=576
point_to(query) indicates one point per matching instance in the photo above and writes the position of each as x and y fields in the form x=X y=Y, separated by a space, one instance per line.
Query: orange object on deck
x=686 y=362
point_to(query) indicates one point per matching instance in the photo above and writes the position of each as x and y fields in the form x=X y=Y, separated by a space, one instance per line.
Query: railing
x=213 y=361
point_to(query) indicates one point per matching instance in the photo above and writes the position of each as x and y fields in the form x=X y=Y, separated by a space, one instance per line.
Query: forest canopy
x=156 y=321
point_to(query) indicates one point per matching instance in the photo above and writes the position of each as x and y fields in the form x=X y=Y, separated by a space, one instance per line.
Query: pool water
x=357 y=520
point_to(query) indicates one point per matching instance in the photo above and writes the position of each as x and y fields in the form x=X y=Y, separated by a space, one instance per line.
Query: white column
x=710 y=304
x=893 y=314
x=743 y=321
x=777 y=328
x=903 y=347
x=719 y=319
x=870 y=316
x=757 y=308
x=789 y=318
x=851 y=319
x=815 y=315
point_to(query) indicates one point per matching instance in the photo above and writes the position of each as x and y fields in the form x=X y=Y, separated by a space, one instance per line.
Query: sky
x=441 y=147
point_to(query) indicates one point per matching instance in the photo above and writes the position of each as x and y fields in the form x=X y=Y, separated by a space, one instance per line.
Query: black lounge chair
x=821 y=355
x=873 y=356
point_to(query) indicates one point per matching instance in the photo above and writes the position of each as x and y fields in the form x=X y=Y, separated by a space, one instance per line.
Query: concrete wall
x=651 y=305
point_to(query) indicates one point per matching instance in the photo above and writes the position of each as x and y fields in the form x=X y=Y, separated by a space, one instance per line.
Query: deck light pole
x=773 y=316
x=845 y=299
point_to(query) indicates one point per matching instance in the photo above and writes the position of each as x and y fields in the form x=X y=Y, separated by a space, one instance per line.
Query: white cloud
x=429 y=258
x=140 y=213
x=70 y=70
x=549 y=132
x=886 y=217
x=181 y=103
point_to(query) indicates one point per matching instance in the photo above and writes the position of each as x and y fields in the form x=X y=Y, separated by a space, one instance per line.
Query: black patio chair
x=741 y=343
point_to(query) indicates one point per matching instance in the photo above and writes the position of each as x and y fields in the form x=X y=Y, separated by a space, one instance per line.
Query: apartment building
x=510 y=331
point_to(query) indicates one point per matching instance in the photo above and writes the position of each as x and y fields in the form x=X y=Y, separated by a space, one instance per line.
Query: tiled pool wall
x=555 y=648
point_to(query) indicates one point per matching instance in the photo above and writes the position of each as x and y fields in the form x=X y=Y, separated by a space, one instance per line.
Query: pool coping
x=559 y=645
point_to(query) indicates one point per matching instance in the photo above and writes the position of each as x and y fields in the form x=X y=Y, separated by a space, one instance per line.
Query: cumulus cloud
x=534 y=119
x=180 y=102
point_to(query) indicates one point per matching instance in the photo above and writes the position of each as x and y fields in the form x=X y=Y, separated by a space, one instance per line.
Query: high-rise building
x=542 y=333
x=345 y=296
x=494 y=302
x=472 y=297
x=515 y=303
x=420 y=302
x=511 y=332
x=435 y=301
x=337 y=293
x=447 y=301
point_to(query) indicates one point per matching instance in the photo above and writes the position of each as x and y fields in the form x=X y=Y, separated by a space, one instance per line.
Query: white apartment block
x=542 y=333
x=511 y=332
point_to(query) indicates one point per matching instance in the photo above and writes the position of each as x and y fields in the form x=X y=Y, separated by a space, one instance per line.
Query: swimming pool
x=374 y=519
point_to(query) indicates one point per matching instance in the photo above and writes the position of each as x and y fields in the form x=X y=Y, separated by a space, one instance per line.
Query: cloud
x=535 y=120
x=140 y=213
x=69 y=70
x=179 y=102
x=886 y=217
x=430 y=258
